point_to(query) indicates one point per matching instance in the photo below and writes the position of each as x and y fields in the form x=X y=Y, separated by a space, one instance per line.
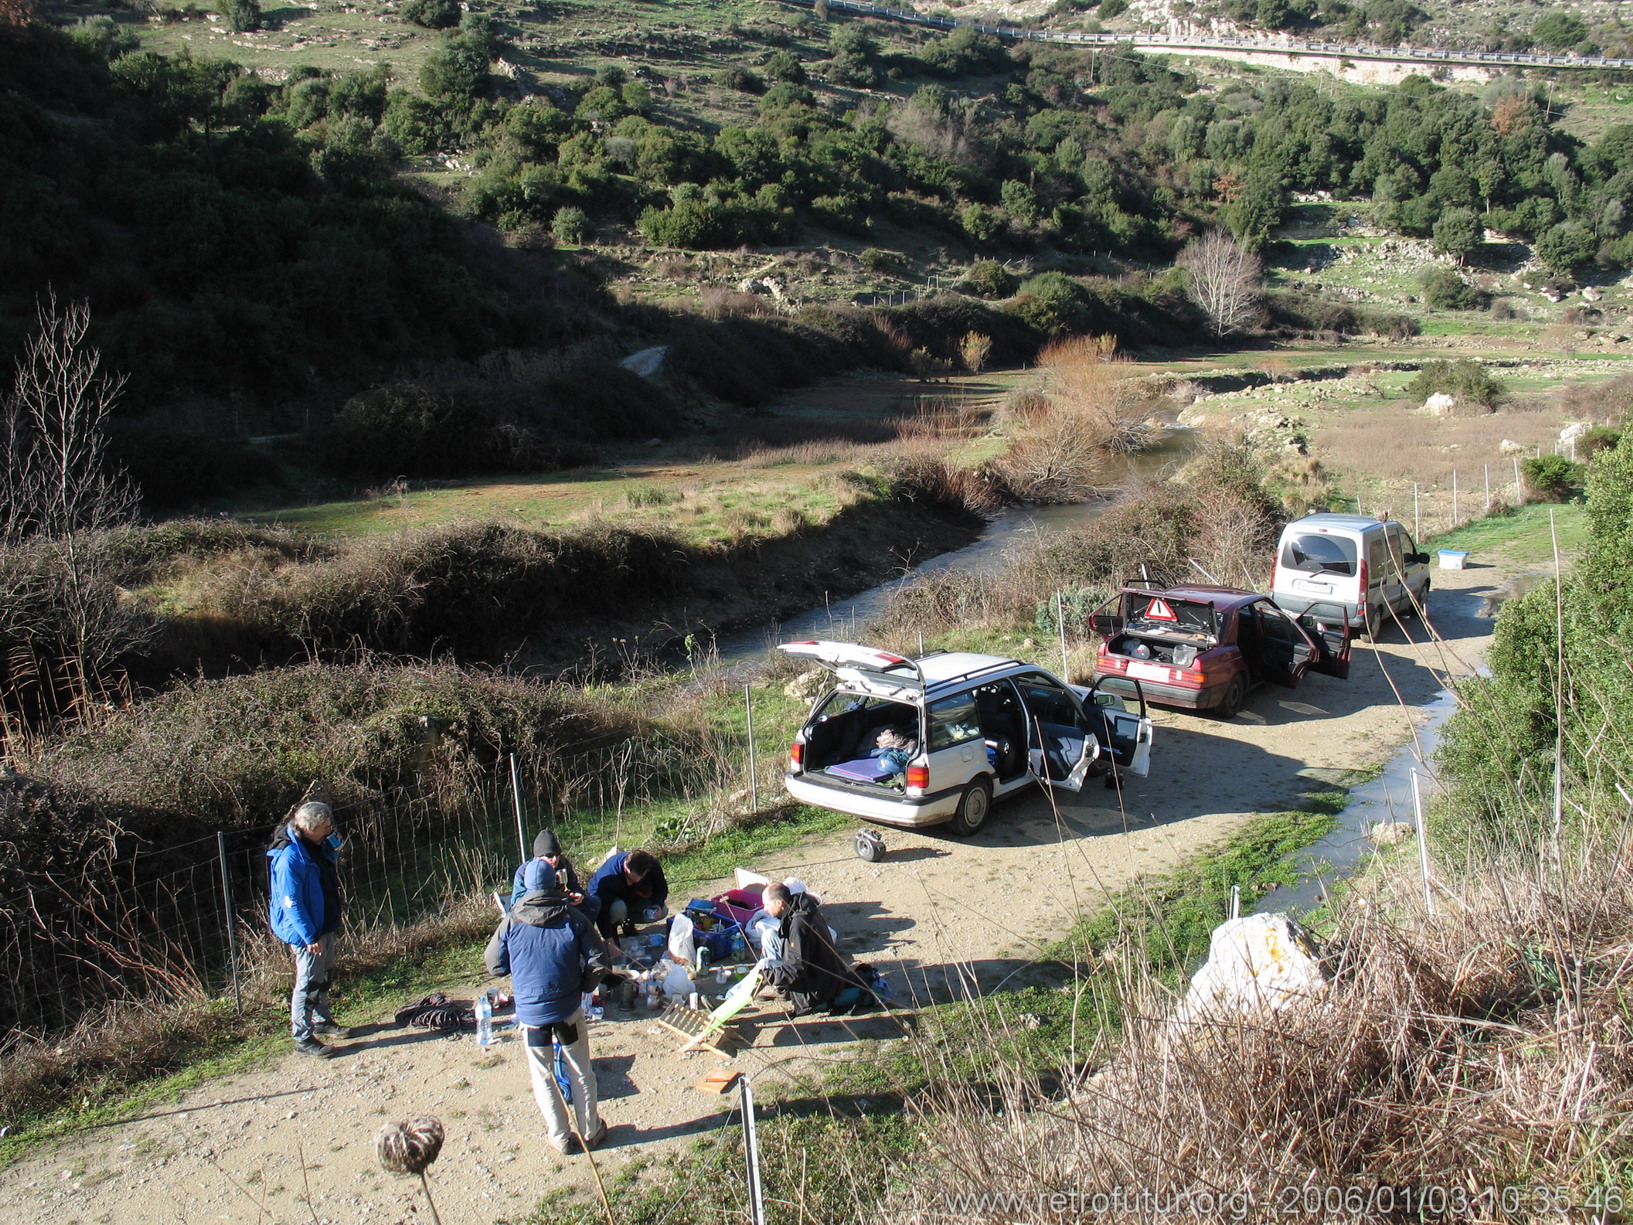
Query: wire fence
x=168 y=923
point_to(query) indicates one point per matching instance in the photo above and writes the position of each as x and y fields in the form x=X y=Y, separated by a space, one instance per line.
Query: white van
x=1349 y=566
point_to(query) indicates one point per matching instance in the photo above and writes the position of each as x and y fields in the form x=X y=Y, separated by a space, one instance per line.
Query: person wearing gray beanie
x=547 y=850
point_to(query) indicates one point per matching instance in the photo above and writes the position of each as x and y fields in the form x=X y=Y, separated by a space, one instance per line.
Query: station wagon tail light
x=796 y=755
x=1363 y=577
x=918 y=778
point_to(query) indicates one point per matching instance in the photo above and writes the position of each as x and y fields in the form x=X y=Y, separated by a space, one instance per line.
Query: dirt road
x=936 y=913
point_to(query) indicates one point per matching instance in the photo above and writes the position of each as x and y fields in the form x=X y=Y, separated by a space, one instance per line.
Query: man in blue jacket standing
x=553 y=956
x=305 y=911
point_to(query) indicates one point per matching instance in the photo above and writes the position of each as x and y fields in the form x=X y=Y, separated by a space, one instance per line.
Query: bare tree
x=56 y=492
x=1224 y=280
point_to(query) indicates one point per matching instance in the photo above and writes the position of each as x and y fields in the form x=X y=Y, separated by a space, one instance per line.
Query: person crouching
x=553 y=956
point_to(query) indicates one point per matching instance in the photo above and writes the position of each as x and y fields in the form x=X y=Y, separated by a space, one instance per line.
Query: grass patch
x=1524 y=535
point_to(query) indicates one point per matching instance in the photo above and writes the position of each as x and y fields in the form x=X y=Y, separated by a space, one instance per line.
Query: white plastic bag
x=682 y=944
x=674 y=979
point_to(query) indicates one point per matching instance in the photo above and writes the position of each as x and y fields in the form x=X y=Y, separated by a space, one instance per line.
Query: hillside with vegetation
x=335 y=304
x=272 y=238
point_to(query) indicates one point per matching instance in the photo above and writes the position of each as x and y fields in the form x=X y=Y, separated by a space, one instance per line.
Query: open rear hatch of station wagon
x=880 y=674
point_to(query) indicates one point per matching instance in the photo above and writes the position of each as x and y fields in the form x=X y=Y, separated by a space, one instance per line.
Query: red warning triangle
x=1158 y=610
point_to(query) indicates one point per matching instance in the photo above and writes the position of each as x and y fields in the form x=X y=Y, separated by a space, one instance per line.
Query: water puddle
x=1384 y=800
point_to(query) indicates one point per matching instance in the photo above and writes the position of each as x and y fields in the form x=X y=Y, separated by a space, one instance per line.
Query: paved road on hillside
x=1283 y=45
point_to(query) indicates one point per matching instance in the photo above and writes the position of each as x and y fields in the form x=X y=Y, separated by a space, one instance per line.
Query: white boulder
x=1257 y=964
x=1574 y=430
x=1439 y=404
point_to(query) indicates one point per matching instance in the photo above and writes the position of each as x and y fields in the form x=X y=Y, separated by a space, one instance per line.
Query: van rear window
x=1314 y=553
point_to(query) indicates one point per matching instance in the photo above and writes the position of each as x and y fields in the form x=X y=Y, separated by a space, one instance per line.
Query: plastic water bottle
x=484 y=1019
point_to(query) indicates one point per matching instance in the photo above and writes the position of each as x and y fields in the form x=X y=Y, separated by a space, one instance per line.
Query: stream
x=846 y=619
x=1386 y=799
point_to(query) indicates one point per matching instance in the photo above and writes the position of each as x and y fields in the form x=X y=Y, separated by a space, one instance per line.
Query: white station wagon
x=966 y=729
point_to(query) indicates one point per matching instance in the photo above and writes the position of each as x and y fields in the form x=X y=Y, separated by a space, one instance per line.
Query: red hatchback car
x=1204 y=648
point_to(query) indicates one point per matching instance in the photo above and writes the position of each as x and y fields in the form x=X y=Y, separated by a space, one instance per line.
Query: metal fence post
x=1454 y=498
x=516 y=795
x=1423 y=844
x=1060 y=624
x=753 y=769
x=227 y=914
x=751 y=1155
x=1416 y=530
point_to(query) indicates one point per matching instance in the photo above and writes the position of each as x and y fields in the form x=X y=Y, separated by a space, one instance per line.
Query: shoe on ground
x=311 y=1046
x=561 y=1146
x=595 y=1137
x=332 y=1029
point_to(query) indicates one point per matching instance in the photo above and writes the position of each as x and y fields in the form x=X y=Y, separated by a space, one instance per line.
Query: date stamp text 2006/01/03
x=1428 y=1201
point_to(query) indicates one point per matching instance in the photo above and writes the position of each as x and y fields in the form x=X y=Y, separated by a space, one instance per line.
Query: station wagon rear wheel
x=972 y=808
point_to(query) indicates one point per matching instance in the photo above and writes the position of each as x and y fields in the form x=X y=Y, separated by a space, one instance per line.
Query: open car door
x=879 y=673
x=1284 y=651
x=1327 y=627
x=1061 y=743
x=1125 y=734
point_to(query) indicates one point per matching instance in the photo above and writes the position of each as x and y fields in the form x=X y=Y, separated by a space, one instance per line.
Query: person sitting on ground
x=804 y=960
x=628 y=889
x=553 y=956
x=547 y=847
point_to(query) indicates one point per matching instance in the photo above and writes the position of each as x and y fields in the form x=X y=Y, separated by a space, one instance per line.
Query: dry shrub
x=674 y=268
x=1607 y=401
x=1084 y=379
x=940 y=420
x=1057 y=460
x=717 y=302
x=1023 y=407
x=922 y=473
x=1488 y=1046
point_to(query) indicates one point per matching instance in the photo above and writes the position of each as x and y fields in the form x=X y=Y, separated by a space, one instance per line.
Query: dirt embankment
x=939 y=914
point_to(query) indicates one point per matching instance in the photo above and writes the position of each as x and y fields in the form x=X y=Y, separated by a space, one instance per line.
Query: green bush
x=1559 y=31
x=242 y=14
x=1599 y=438
x=432 y=14
x=1553 y=478
x=1443 y=289
x=571 y=226
x=175 y=467
x=989 y=279
x=740 y=79
x=1467 y=381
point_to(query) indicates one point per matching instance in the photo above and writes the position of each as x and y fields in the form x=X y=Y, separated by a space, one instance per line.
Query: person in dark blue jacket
x=305 y=911
x=553 y=956
x=628 y=888
x=548 y=848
